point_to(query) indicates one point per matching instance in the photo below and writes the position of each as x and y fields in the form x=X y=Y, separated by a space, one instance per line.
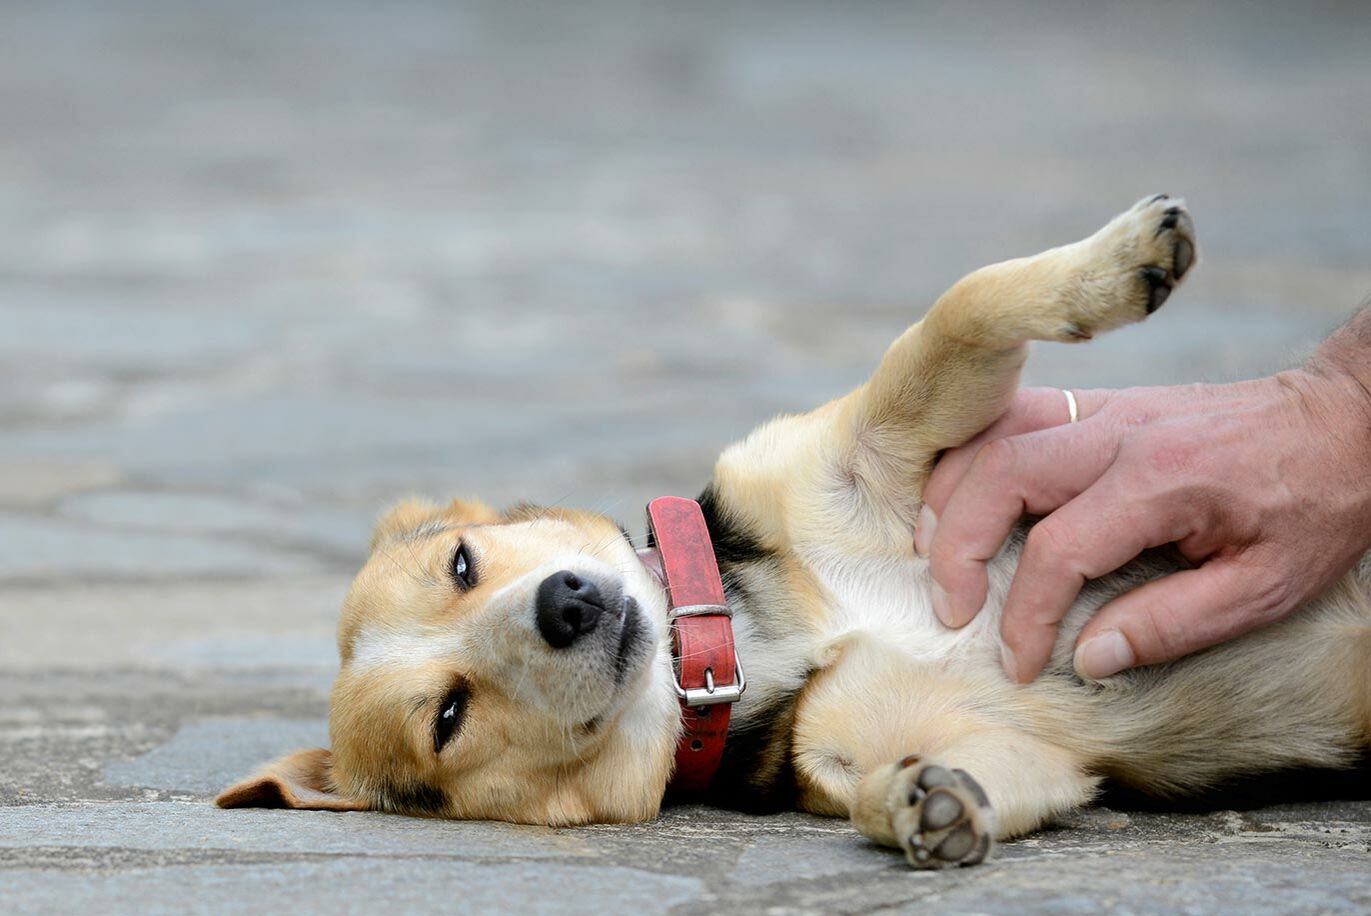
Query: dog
x=522 y=665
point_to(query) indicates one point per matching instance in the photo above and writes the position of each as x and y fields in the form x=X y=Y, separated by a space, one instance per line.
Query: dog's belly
x=890 y=600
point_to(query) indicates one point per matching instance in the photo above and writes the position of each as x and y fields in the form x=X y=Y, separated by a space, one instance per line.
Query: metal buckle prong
x=712 y=694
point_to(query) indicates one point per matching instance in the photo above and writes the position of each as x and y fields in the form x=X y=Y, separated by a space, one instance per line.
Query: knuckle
x=954 y=574
x=1128 y=409
x=1270 y=595
x=1283 y=595
x=946 y=476
x=1052 y=548
x=1167 y=638
x=998 y=458
x=1168 y=458
x=1016 y=633
x=1029 y=642
x=1135 y=417
x=1154 y=632
x=948 y=571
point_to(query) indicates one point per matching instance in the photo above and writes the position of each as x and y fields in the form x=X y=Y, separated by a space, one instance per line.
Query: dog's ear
x=300 y=780
x=471 y=512
x=413 y=514
x=402 y=518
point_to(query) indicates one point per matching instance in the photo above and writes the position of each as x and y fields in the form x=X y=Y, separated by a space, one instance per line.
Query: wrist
x=1345 y=359
x=1333 y=390
x=1336 y=402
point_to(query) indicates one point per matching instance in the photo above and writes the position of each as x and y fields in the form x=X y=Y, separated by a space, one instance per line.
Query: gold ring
x=1071 y=406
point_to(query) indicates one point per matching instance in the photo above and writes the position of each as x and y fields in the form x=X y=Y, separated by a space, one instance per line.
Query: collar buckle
x=711 y=694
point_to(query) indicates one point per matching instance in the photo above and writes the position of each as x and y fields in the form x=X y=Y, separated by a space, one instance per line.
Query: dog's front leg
x=945 y=808
x=949 y=376
x=935 y=762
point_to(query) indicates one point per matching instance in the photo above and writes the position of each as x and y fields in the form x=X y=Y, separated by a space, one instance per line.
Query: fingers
x=1033 y=473
x=1092 y=535
x=1033 y=409
x=1174 y=616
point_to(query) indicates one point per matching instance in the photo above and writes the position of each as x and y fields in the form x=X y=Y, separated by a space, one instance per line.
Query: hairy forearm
x=1347 y=353
x=1339 y=379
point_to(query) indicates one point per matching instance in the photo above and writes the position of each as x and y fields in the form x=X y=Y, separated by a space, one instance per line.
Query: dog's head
x=493 y=666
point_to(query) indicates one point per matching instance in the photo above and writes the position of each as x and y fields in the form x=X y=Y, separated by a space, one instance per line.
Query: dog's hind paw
x=941 y=816
x=1129 y=268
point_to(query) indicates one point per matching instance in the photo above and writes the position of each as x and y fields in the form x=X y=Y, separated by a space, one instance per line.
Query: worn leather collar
x=705 y=664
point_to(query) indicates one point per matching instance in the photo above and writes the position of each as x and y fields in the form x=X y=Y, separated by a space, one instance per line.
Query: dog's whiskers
x=426 y=580
x=428 y=576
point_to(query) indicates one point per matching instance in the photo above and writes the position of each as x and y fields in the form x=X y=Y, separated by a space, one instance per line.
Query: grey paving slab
x=173 y=624
x=45 y=548
x=206 y=757
x=178 y=825
x=355 y=887
x=265 y=268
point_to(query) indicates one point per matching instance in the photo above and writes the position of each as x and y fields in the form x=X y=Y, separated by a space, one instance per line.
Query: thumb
x=1174 y=616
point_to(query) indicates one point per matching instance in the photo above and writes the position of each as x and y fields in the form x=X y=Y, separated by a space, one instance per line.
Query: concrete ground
x=265 y=267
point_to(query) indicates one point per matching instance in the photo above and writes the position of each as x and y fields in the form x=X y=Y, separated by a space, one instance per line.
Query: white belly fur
x=889 y=599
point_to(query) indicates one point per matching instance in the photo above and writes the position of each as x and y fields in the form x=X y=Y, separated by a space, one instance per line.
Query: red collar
x=708 y=678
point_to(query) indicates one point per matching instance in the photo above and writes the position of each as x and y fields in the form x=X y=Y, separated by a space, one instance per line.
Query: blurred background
x=266 y=267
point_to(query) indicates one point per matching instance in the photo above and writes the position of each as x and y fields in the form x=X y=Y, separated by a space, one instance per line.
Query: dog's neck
x=708 y=678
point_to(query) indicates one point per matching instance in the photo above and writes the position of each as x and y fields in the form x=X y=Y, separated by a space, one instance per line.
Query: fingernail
x=924 y=526
x=1009 y=663
x=940 y=603
x=1103 y=655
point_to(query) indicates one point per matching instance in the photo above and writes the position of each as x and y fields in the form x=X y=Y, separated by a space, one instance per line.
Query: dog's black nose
x=567 y=606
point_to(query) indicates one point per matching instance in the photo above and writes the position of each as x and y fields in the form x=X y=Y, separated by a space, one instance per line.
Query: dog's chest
x=890 y=599
x=783 y=638
x=886 y=599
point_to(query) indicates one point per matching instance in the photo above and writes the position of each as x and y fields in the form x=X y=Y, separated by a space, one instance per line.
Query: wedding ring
x=1071 y=406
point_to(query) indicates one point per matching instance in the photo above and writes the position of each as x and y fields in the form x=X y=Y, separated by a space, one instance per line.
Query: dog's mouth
x=632 y=635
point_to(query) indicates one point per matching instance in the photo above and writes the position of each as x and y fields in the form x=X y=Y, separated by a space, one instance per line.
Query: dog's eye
x=463 y=570
x=450 y=714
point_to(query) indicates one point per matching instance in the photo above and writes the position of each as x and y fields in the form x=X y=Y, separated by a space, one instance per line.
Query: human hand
x=1264 y=486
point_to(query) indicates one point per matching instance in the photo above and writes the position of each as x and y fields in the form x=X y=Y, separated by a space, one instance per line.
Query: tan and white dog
x=456 y=700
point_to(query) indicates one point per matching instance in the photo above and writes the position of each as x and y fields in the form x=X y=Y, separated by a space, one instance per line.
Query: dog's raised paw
x=1130 y=267
x=1155 y=240
x=941 y=816
x=1174 y=248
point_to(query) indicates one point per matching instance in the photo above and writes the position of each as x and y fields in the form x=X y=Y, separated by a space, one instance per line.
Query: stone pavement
x=266 y=267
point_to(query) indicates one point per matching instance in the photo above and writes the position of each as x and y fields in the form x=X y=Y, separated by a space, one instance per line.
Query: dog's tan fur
x=859 y=703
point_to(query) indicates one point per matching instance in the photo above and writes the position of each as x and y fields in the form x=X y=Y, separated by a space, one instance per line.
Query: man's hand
x=1265 y=487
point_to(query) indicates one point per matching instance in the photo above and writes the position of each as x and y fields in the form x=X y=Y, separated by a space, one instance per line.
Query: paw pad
x=943 y=817
x=941 y=809
x=934 y=776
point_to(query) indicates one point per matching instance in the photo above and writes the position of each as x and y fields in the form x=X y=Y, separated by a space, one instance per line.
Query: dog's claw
x=1159 y=287
x=1183 y=258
